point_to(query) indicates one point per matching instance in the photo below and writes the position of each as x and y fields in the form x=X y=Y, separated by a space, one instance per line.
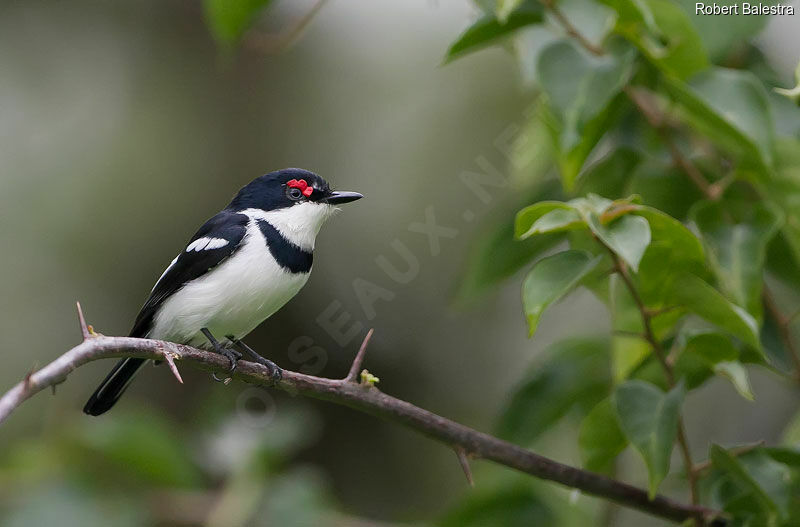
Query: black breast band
x=288 y=255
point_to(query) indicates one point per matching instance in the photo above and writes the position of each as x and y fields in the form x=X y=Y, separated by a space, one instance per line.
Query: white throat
x=299 y=224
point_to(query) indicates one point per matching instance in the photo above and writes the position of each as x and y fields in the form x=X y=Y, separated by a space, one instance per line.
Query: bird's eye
x=294 y=193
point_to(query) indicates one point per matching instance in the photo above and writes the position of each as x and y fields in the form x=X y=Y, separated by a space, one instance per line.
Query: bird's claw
x=231 y=355
x=275 y=372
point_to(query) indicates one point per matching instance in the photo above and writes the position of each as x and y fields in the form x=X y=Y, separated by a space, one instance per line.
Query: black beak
x=342 y=196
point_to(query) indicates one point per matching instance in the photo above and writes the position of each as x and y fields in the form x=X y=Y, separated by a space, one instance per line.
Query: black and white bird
x=243 y=265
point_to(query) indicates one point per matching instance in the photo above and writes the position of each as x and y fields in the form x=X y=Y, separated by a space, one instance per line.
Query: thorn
x=27 y=381
x=170 y=360
x=463 y=460
x=356 y=366
x=53 y=386
x=85 y=331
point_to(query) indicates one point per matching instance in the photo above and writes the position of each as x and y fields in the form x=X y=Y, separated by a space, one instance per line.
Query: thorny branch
x=364 y=397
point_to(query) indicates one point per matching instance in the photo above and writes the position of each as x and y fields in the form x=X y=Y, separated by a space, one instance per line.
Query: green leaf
x=593 y=20
x=722 y=40
x=552 y=278
x=591 y=204
x=673 y=251
x=229 y=19
x=628 y=236
x=785 y=111
x=783 y=258
x=633 y=13
x=581 y=90
x=62 y=502
x=783 y=189
x=737 y=374
x=774 y=346
x=600 y=438
x=694 y=368
x=683 y=53
x=736 y=248
x=507 y=506
x=791 y=434
x=573 y=372
x=702 y=299
x=531 y=153
x=784 y=455
x=557 y=220
x=708 y=353
x=663 y=33
x=297 y=496
x=670 y=233
x=664 y=186
x=546 y=216
x=495 y=256
x=611 y=174
x=145 y=446
x=628 y=353
x=489 y=29
x=732 y=109
x=755 y=474
x=792 y=94
x=710 y=346
x=505 y=8
x=649 y=418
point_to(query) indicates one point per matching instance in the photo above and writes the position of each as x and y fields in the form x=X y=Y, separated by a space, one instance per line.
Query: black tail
x=112 y=388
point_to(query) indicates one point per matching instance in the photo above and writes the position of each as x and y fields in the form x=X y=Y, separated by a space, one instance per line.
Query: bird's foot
x=231 y=355
x=275 y=372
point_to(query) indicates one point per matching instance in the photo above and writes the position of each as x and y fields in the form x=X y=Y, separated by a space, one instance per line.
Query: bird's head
x=295 y=201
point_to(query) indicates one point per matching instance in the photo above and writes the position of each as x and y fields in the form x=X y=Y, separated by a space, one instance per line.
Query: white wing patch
x=205 y=243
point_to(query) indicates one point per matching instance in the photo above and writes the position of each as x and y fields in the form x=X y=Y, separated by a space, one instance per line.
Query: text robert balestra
x=744 y=8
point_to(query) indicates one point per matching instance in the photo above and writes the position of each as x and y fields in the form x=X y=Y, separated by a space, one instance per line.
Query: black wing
x=191 y=264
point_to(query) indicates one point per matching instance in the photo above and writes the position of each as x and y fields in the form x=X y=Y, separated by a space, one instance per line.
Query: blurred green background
x=123 y=126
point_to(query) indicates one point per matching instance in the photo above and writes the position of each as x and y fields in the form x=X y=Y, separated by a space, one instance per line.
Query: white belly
x=232 y=299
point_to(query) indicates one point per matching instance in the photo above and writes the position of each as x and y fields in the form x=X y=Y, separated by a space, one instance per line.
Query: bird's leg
x=231 y=355
x=274 y=370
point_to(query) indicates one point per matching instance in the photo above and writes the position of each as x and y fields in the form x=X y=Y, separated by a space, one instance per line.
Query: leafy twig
x=655 y=119
x=712 y=191
x=661 y=355
x=572 y=30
